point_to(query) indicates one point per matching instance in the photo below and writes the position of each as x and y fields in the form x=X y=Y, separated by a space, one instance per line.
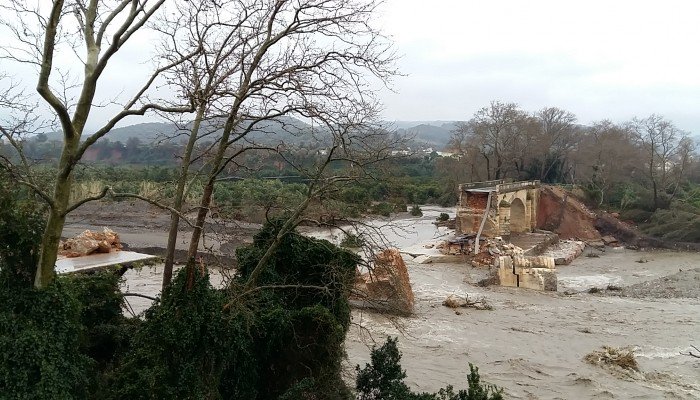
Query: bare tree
x=202 y=80
x=93 y=31
x=308 y=59
x=558 y=137
x=497 y=133
x=472 y=164
x=17 y=125
x=665 y=147
x=606 y=156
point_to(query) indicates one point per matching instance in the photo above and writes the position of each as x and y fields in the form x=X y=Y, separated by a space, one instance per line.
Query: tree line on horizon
x=503 y=141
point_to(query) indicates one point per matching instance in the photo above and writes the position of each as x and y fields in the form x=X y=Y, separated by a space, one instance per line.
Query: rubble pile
x=90 y=242
x=491 y=249
x=387 y=286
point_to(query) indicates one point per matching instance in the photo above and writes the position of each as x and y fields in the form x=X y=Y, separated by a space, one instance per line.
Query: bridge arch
x=518 y=217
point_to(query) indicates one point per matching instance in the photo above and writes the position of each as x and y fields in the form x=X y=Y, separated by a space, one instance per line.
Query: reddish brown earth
x=565 y=215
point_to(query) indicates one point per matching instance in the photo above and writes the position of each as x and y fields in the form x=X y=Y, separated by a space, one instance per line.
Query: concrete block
x=537 y=273
x=544 y=279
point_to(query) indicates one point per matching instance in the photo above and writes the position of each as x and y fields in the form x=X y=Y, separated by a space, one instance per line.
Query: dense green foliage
x=285 y=338
x=383 y=379
x=302 y=312
x=52 y=342
x=187 y=348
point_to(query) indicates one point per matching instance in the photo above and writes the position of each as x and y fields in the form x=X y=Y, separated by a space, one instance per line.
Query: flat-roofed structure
x=99 y=261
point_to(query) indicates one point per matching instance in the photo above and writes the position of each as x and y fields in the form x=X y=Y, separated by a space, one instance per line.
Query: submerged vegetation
x=614 y=357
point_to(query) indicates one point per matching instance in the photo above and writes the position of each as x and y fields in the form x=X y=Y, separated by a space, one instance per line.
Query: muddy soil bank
x=142 y=227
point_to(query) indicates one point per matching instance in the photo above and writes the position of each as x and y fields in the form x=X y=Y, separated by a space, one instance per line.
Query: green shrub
x=40 y=355
x=416 y=211
x=400 y=206
x=636 y=215
x=383 y=209
x=301 y=330
x=40 y=331
x=383 y=379
x=674 y=225
x=443 y=217
x=187 y=348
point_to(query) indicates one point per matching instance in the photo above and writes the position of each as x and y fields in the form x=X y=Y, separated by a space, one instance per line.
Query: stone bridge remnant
x=536 y=273
x=497 y=208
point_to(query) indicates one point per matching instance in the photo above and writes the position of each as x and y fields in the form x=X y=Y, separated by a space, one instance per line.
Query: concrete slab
x=535 y=243
x=98 y=261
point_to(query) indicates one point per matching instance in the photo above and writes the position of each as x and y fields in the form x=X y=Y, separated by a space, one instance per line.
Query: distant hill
x=146 y=132
x=284 y=129
x=430 y=134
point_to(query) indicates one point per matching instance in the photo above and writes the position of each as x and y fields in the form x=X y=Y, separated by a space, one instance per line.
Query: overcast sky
x=599 y=59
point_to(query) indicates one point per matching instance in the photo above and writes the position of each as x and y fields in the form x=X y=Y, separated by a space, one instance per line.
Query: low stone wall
x=536 y=273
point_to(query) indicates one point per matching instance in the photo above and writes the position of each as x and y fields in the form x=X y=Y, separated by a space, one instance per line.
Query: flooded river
x=532 y=343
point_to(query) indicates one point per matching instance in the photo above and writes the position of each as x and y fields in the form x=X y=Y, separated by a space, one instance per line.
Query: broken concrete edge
x=119 y=268
x=386 y=287
x=574 y=249
x=550 y=239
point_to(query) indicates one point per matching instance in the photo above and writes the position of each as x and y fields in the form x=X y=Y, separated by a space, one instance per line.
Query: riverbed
x=532 y=343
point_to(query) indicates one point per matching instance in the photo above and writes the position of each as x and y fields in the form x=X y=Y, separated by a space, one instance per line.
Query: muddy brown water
x=532 y=343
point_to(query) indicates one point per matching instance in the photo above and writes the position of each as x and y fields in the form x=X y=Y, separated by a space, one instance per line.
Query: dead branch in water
x=691 y=354
x=455 y=302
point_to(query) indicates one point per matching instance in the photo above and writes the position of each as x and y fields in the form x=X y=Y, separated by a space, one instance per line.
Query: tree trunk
x=488 y=167
x=54 y=227
x=199 y=225
x=179 y=197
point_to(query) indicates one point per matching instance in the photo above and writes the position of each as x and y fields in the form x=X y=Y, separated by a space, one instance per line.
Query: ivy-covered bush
x=303 y=315
x=280 y=338
x=187 y=348
x=40 y=331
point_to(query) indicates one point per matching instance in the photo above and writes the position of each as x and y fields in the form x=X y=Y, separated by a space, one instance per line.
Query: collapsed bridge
x=497 y=208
